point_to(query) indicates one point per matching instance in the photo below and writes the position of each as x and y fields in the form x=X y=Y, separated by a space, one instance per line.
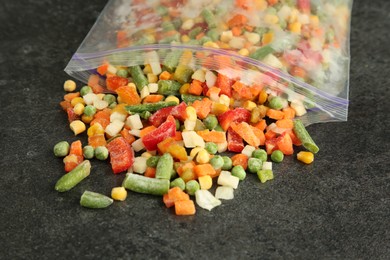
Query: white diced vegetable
x=89 y=98
x=135 y=132
x=299 y=108
x=153 y=87
x=226 y=36
x=267 y=166
x=154 y=62
x=144 y=92
x=138 y=145
x=117 y=116
x=134 y=122
x=199 y=75
x=248 y=150
x=139 y=165
x=227 y=179
x=222 y=147
x=191 y=139
x=114 y=128
x=206 y=200
x=100 y=104
x=273 y=61
x=223 y=99
x=237 y=42
x=189 y=125
x=252 y=37
x=224 y=192
x=111 y=69
x=210 y=78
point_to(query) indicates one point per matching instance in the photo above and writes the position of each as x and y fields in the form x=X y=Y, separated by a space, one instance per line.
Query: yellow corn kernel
x=211 y=45
x=219 y=108
x=184 y=89
x=243 y=52
x=195 y=151
x=69 y=85
x=202 y=157
x=305 y=157
x=152 y=78
x=146 y=154
x=186 y=57
x=314 y=21
x=77 y=100
x=86 y=119
x=223 y=45
x=271 y=19
x=120 y=108
x=100 y=96
x=119 y=193
x=293 y=15
x=147 y=69
x=262 y=97
x=206 y=182
x=249 y=105
x=96 y=129
x=261 y=5
x=295 y=27
x=77 y=127
x=172 y=98
x=185 y=38
x=78 y=109
x=267 y=38
x=191 y=113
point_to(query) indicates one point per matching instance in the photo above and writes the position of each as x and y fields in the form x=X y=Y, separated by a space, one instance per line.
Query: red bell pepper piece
x=235 y=142
x=236 y=115
x=179 y=111
x=283 y=143
x=165 y=130
x=72 y=116
x=304 y=5
x=115 y=82
x=160 y=116
x=225 y=84
x=121 y=154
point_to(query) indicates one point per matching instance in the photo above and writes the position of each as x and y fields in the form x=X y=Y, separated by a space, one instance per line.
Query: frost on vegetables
x=166 y=120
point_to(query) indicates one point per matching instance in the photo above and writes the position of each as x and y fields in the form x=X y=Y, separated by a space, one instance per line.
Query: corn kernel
x=147 y=69
x=77 y=127
x=95 y=129
x=119 y=193
x=69 y=86
x=152 y=78
x=184 y=89
x=295 y=27
x=186 y=58
x=78 y=109
x=188 y=24
x=172 y=98
x=261 y=5
x=203 y=157
x=219 y=108
x=211 y=45
x=76 y=100
x=86 y=119
x=191 y=113
x=267 y=38
x=243 y=52
x=305 y=157
x=100 y=96
x=195 y=151
x=262 y=97
x=271 y=19
x=206 y=182
x=249 y=105
x=223 y=99
x=146 y=155
x=185 y=38
x=314 y=21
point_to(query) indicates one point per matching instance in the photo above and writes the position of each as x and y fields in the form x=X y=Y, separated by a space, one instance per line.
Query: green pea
x=61 y=149
x=85 y=90
x=265 y=175
x=89 y=110
x=101 y=153
x=277 y=156
x=276 y=103
x=152 y=161
x=217 y=162
x=88 y=152
x=109 y=98
x=239 y=172
x=122 y=73
x=192 y=186
x=178 y=182
x=211 y=147
x=210 y=122
x=219 y=128
x=112 y=105
x=227 y=163
x=260 y=154
x=254 y=165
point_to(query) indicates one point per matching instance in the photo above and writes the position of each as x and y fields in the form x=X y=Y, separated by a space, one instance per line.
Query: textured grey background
x=338 y=207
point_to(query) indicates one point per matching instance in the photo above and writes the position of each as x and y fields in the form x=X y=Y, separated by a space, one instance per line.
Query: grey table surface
x=338 y=207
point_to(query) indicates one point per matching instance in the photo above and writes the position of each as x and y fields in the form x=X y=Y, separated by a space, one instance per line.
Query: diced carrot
x=150 y=172
x=213 y=91
x=262 y=125
x=146 y=130
x=244 y=130
x=65 y=104
x=212 y=136
x=289 y=113
x=298 y=72
x=102 y=69
x=177 y=152
x=237 y=20
x=153 y=98
x=243 y=91
x=285 y=123
x=202 y=107
x=236 y=30
x=128 y=95
x=163 y=146
x=177 y=194
x=272 y=2
x=76 y=148
x=275 y=114
x=71 y=161
x=195 y=88
x=255 y=90
x=185 y=166
x=259 y=134
x=204 y=169
x=240 y=159
x=199 y=36
x=294 y=138
x=168 y=201
x=70 y=96
x=225 y=84
x=285 y=144
x=128 y=137
x=178 y=136
x=185 y=207
x=94 y=83
x=270 y=134
x=97 y=140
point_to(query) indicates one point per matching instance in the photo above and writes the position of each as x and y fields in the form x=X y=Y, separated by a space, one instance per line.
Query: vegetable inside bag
x=294 y=49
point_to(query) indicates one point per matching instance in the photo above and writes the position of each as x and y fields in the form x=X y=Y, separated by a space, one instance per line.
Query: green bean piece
x=95 y=200
x=254 y=165
x=89 y=110
x=101 y=153
x=171 y=60
x=262 y=52
x=211 y=147
x=239 y=172
x=183 y=73
x=88 y=152
x=178 y=182
x=213 y=34
x=164 y=167
x=141 y=184
x=177 y=22
x=194 y=32
x=217 y=162
x=162 y=10
x=210 y=122
x=168 y=87
x=260 y=154
x=209 y=17
x=177 y=122
x=74 y=177
x=145 y=115
x=265 y=175
x=167 y=26
x=192 y=186
x=152 y=161
x=85 y=90
x=170 y=39
x=138 y=77
x=302 y=134
x=188 y=98
x=122 y=73
x=109 y=98
x=277 y=156
x=151 y=107
x=275 y=103
x=227 y=163
x=61 y=149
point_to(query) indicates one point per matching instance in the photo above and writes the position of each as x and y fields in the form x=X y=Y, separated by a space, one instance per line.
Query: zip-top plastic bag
x=295 y=49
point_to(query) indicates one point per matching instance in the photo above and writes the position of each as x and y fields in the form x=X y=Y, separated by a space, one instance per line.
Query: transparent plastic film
x=298 y=50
